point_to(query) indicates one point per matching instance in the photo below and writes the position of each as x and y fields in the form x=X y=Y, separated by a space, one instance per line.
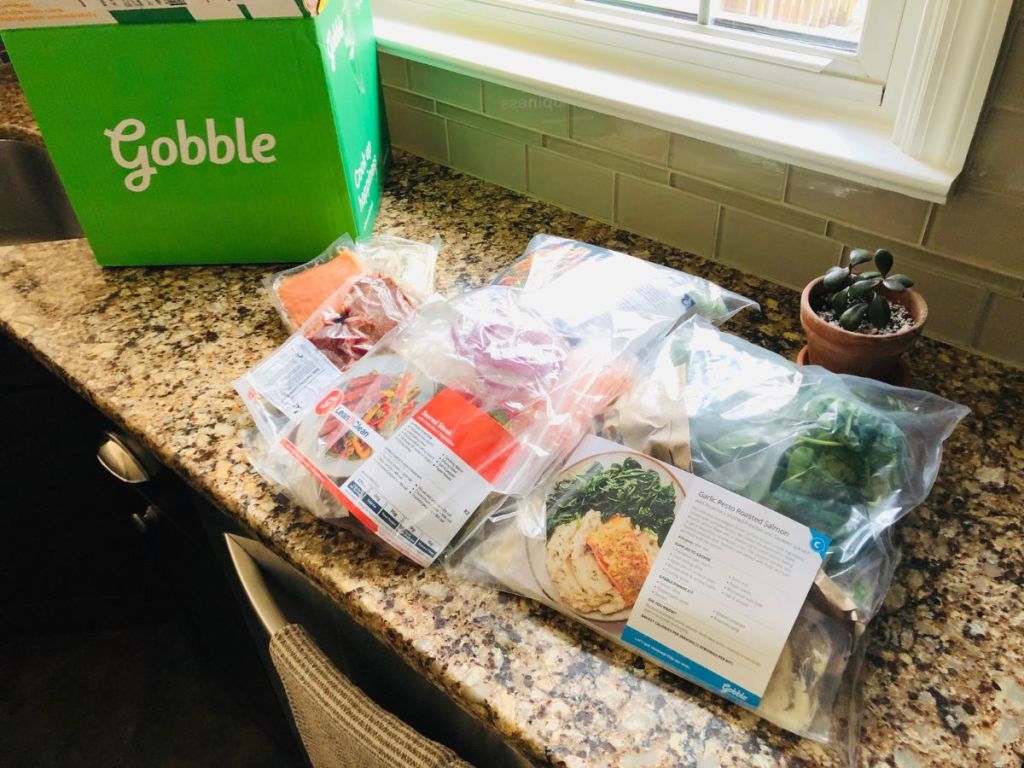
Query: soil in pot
x=900 y=318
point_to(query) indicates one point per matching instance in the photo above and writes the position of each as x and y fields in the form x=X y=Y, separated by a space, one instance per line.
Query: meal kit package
x=340 y=304
x=730 y=518
x=299 y=292
x=572 y=284
x=468 y=401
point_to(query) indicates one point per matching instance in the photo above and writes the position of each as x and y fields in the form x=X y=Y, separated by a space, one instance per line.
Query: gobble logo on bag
x=131 y=153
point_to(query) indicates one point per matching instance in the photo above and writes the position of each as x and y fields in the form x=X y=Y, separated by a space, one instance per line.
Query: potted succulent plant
x=860 y=318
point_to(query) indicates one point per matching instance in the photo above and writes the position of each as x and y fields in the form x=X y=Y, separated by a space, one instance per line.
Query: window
x=835 y=24
x=886 y=92
x=839 y=32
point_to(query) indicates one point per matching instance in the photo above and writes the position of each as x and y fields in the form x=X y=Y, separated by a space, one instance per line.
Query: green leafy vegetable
x=843 y=458
x=622 y=489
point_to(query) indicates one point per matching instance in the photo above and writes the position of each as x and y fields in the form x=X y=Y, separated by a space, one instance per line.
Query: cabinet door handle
x=255 y=587
x=123 y=460
x=145 y=520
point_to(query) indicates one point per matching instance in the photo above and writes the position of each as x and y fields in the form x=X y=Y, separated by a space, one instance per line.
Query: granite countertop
x=156 y=350
x=16 y=121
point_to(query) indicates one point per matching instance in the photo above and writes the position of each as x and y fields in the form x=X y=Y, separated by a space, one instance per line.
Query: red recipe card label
x=423 y=485
x=471 y=434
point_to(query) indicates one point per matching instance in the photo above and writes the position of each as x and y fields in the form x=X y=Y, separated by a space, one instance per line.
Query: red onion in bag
x=516 y=357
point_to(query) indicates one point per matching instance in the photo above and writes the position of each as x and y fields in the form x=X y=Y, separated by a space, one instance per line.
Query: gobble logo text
x=131 y=150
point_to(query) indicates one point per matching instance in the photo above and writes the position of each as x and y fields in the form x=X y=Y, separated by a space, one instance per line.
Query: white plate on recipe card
x=536 y=548
x=307 y=434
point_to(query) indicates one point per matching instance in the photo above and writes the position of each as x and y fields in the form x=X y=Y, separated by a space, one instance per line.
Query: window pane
x=679 y=9
x=833 y=23
x=829 y=23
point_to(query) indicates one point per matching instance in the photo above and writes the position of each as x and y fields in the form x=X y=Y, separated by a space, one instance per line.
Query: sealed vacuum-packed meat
x=374 y=284
x=298 y=293
x=345 y=330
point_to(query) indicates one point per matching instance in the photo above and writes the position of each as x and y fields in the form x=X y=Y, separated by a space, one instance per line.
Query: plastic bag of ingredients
x=467 y=402
x=394 y=276
x=730 y=518
x=300 y=292
x=572 y=284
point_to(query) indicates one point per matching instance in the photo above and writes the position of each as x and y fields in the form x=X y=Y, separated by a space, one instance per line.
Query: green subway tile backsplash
x=886 y=212
x=488 y=156
x=569 y=183
x=489 y=124
x=606 y=159
x=739 y=170
x=449 y=87
x=776 y=211
x=622 y=136
x=396 y=95
x=393 y=70
x=419 y=132
x=526 y=109
x=666 y=214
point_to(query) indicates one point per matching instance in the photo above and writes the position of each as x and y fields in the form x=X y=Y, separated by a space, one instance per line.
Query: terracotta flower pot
x=842 y=351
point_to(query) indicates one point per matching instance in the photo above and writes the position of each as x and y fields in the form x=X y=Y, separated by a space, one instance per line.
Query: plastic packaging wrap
x=298 y=293
x=345 y=328
x=845 y=456
x=572 y=284
x=511 y=387
x=470 y=399
x=391 y=278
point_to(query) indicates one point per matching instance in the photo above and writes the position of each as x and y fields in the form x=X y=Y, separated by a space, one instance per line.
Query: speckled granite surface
x=16 y=121
x=156 y=349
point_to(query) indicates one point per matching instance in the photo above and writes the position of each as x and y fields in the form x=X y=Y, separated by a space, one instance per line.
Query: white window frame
x=715 y=46
x=907 y=129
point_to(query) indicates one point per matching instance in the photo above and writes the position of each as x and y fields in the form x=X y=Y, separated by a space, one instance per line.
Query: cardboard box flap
x=23 y=14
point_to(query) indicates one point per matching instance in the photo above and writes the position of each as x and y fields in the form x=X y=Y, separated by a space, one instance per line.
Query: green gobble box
x=206 y=131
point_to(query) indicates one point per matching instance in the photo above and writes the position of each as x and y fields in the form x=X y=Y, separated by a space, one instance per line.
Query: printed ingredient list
x=725 y=590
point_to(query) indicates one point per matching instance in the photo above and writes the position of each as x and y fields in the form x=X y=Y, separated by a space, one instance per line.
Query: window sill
x=809 y=131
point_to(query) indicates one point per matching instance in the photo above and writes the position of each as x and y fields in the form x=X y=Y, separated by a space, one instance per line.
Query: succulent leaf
x=869 y=275
x=862 y=288
x=907 y=282
x=894 y=285
x=836 y=278
x=883 y=260
x=840 y=301
x=860 y=256
x=879 y=312
x=851 y=319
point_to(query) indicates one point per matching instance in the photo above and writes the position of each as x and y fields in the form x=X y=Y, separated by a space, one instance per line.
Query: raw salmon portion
x=302 y=293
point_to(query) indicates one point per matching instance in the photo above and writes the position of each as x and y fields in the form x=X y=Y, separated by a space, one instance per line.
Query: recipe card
x=725 y=590
x=700 y=579
x=421 y=485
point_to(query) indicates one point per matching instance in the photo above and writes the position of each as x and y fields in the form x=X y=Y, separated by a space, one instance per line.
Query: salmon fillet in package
x=300 y=292
x=363 y=290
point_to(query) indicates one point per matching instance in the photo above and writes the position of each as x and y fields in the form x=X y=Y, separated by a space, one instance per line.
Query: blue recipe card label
x=723 y=594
